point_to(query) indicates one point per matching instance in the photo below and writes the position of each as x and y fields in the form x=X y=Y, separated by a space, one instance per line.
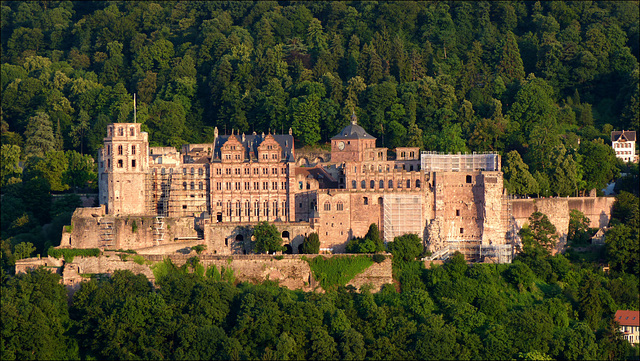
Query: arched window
x=184 y=171
x=408 y=183
x=200 y=171
x=372 y=184
x=339 y=206
x=380 y=200
x=354 y=185
x=192 y=171
x=184 y=185
x=363 y=184
x=379 y=169
x=200 y=186
x=256 y=209
x=381 y=184
x=238 y=209
x=327 y=206
x=229 y=210
x=417 y=183
x=390 y=184
x=266 y=208
x=365 y=200
x=132 y=132
x=193 y=186
x=163 y=171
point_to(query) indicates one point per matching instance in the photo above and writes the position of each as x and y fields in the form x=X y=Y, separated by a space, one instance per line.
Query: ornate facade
x=238 y=180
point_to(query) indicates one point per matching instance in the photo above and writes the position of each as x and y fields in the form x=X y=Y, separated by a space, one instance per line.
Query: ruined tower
x=122 y=169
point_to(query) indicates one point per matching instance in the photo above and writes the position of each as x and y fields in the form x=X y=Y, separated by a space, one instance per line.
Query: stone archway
x=288 y=249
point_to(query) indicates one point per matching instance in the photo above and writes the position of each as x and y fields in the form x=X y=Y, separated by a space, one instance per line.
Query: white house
x=624 y=144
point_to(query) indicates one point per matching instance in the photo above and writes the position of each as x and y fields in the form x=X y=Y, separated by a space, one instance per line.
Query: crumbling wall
x=597 y=209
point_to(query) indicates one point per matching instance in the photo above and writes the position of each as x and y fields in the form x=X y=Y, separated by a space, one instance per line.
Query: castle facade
x=214 y=193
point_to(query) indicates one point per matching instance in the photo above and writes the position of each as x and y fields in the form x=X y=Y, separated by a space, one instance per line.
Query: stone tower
x=122 y=169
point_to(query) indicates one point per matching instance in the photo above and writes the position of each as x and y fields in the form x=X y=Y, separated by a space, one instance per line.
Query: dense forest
x=541 y=83
x=540 y=307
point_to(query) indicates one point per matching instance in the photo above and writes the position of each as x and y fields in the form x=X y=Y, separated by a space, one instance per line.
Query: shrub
x=134 y=227
x=267 y=238
x=335 y=271
x=378 y=258
x=69 y=253
x=139 y=259
x=407 y=247
x=311 y=244
x=199 y=248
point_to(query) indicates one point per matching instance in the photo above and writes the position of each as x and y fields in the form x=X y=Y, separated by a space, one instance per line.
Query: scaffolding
x=442 y=162
x=107 y=234
x=402 y=215
x=158 y=230
x=500 y=253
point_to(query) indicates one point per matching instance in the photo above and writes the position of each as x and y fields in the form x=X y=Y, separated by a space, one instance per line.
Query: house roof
x=625 y=135
x=628 y=318
x=353 y=131
x=325 y=180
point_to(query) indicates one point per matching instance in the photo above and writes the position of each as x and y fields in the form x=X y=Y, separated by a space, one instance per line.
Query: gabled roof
x=353 y=131
x=251 y=142
x=625 y=135
x=628 y=318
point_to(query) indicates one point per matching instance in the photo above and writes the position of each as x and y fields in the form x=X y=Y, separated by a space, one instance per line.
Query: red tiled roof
x=628 y=318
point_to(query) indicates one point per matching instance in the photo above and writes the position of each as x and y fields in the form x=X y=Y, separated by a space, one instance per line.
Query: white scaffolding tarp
x=442 y=162
x=402 y=214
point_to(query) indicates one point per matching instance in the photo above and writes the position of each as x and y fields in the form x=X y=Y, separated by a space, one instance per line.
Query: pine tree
x=39 y=134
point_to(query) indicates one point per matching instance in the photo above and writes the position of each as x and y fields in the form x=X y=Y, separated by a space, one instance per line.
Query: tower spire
x=134 y=108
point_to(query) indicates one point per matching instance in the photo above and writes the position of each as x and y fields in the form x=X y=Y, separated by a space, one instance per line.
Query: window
x=256 y=209
x=468 y=179
x=461 y=230
x=408 y=183
x=246 y=186
x=119 y=150
x=372 y=184
x=200 y=186
x=237 y=186
x=299 y=185
x=200 y=171
x=457 y=213
x=237 y=171
x=193 y=186
x=184 y=171
x=238 y=210
x=184 y=186
x=381 y=184
x=354 y=184
x=265 y=185
x=363 y=184
x=184 y=206
x=193 y=171
x=265 y=171
x=327 y=206
x=228 y=171
x=402 y=154
x=284 y=185
x=274 y=185
x=218 y=186
x=308 y=185
x=218 y=171
x=417 y=183
x=380 y=200
x=255 y=170
x=227 y=186
x=108 y=150
x=108 y=163
x=133 y=149
x=133 y=163
x=274 y=171
x=340 y=206
x=247 y=209
x=399 y=184
x=365 y=201
x=132 y=132
x=163 y=171
x=119 y=163
x=120 y=131
x=246 y=171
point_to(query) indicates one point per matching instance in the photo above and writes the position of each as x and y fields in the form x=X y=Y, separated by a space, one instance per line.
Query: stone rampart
x=597 y=209
x=290 y=271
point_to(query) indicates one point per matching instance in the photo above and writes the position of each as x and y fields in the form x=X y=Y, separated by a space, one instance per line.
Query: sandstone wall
x=597 y=209
x=290 y=271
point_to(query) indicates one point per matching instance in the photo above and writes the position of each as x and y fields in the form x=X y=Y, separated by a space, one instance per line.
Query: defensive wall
x=597 y=209
x=290 y=271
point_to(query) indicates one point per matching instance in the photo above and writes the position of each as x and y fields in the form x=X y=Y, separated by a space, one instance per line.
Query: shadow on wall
x=604 y=220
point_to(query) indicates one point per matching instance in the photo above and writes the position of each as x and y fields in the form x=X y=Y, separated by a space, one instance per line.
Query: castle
x=156 y=199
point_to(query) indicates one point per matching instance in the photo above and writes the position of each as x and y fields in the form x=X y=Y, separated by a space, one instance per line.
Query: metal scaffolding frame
x=158 y=230
x=402 y=215
x=107 y=235
x=443 y=162
x=502 y=253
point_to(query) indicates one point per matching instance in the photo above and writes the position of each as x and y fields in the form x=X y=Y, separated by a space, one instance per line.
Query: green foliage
x=199 y=248
x=139 y=259
x=23 y=250
x=134 y=227
x=334 y=271
x=70 y=253
x=578 y=232
x=311 y=244
x=378 y=258
x=407 y=247
x=267 y=238
x=371 y=243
